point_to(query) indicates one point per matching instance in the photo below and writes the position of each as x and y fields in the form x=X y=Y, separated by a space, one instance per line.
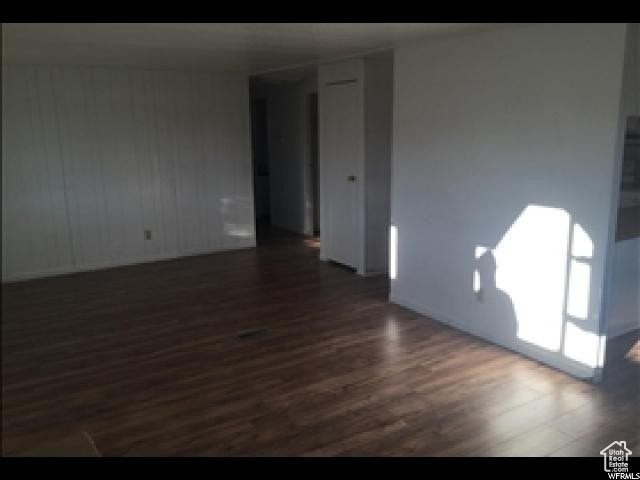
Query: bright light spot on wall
x=242 y=231
x=581 y=244
x=476 y=281
x=393 y=252
x=582 y=345
x=531 y=261
x=601 y=352
x=578 y=294
x=237 y=213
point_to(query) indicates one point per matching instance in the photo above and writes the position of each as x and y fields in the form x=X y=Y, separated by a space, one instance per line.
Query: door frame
x=312 y=173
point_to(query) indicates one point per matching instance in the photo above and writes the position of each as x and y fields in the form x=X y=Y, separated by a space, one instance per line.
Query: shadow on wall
x=530 y=290
x=496 y=308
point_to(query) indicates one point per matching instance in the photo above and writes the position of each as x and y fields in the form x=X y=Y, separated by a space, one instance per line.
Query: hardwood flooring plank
x=146 y=359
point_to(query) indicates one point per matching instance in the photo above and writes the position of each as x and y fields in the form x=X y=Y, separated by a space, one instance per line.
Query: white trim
x=318 y=63
x=362 y=266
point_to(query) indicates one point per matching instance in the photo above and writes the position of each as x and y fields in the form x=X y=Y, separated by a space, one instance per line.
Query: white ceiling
x=251 y=47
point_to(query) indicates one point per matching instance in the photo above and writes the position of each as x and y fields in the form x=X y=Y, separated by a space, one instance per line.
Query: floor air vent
x=252 y=333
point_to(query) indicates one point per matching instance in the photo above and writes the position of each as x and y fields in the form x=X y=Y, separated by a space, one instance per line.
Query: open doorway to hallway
x=284 y=119
x=260 y=155
x=315 y=172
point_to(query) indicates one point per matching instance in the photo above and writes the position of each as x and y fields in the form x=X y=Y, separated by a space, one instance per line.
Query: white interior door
x=342 y=151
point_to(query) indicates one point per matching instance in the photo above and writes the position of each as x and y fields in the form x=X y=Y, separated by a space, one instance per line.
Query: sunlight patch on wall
x=601 y=353
x=233 y=209
x=581 y=243
x=393 y=252
x=582 y=345
x=531 y=262
x=543 y=263
x=579 y=273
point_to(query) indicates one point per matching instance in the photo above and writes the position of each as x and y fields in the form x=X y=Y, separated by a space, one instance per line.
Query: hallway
x=269 y=351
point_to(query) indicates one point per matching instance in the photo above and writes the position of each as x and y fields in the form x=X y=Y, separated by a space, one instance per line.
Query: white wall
x=92 y=157
x=507 y=141
x=378 y=101
x=632 y=71
x=624 y=305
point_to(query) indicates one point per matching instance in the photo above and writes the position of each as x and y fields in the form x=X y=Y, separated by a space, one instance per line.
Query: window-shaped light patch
x=581 y=243
x=579 y=282
x=531 y=261
x=581 y=345
x=578 y=289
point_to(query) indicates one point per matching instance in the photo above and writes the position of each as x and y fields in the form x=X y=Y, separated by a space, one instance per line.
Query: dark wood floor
x=147 y=360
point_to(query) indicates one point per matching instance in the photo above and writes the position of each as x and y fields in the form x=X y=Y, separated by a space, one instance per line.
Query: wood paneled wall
x=95 y=158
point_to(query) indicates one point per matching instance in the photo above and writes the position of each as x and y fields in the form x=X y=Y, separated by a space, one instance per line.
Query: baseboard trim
x=91 y=267
x=624 y=331
x=552 y=359
x=375 y=273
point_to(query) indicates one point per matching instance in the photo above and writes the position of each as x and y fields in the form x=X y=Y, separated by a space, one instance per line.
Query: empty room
x=321 y=240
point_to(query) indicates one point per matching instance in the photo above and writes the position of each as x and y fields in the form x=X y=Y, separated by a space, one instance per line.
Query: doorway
x=260 y=153
x=313 y=160
x=284 y=120
x=342 y=143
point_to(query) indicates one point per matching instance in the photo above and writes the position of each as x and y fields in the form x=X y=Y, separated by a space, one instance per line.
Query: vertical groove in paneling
x=205 y=206
x=60 y=152
x=183 y=163
x=28 y=195
x=197 y=155
x=9 y=217
x=212 y=134
x=147 y=99
x=171 y=112
x=94 y=156
x=136 y=131
x=101 y=130
x=162 y=178
x=37 y=179
x=46 y=172
x=87 y=167
x=68 y=139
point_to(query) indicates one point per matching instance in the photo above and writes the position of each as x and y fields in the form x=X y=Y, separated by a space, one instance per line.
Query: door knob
x=351 y=178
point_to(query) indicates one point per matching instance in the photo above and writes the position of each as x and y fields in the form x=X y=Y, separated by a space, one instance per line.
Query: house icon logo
x=616 y=458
